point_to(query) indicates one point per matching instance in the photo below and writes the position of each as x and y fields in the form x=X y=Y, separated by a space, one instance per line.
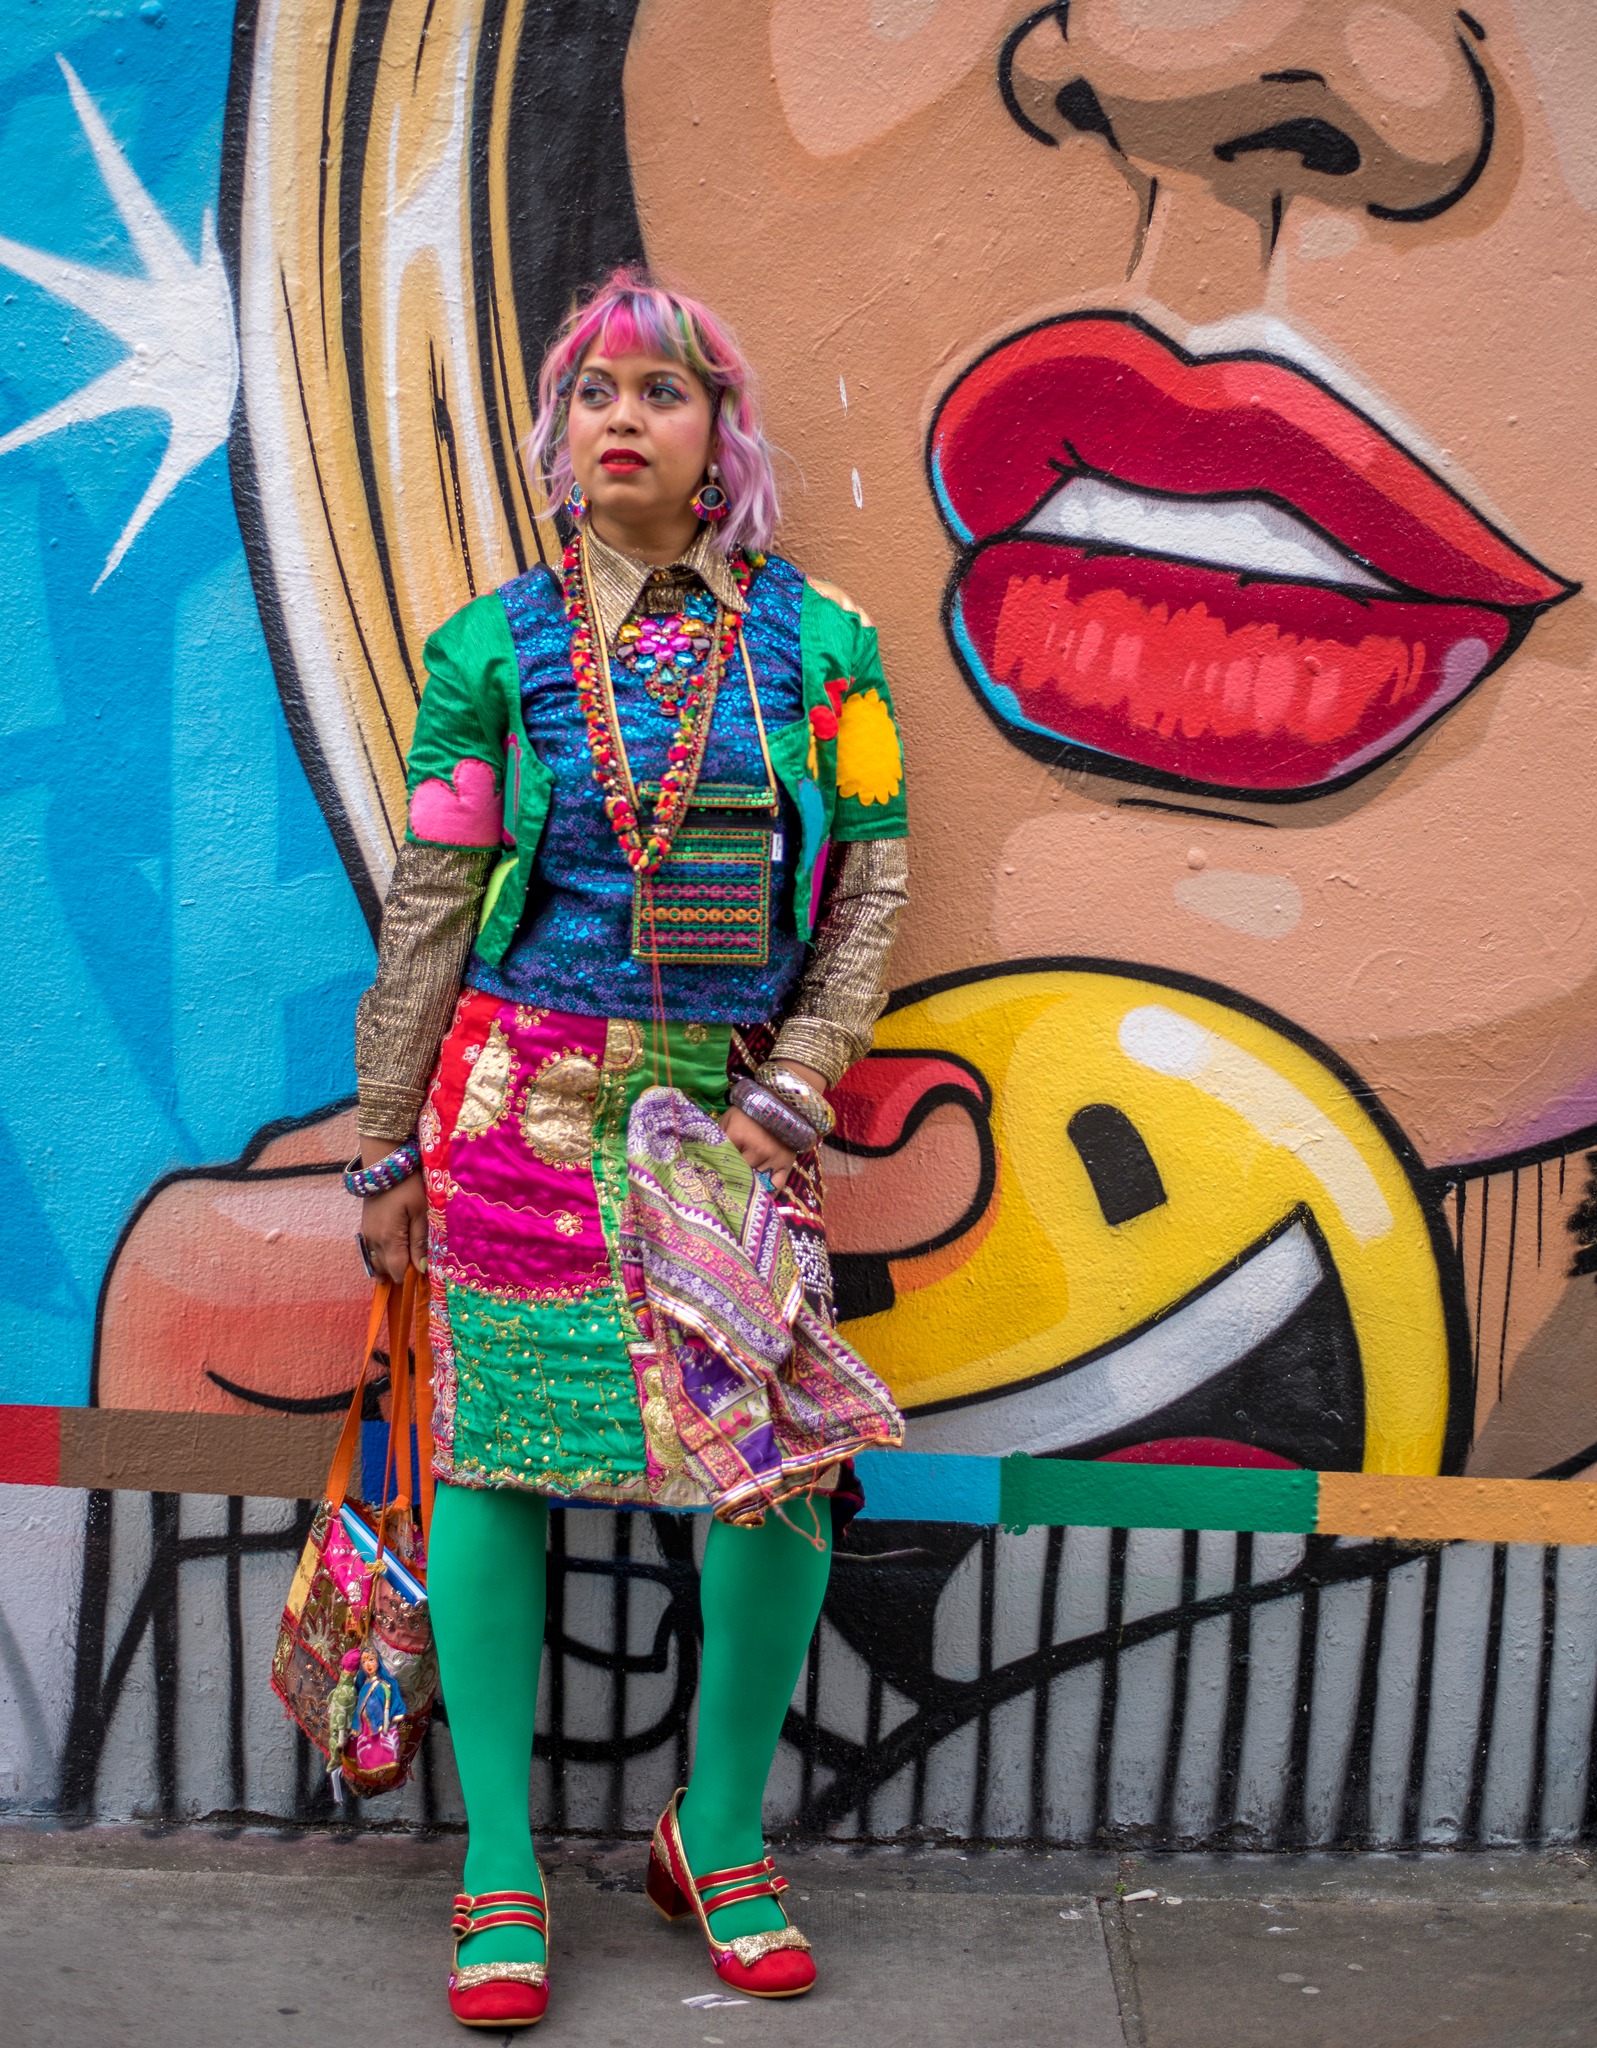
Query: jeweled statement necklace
x=645 y=846
x=664 y=650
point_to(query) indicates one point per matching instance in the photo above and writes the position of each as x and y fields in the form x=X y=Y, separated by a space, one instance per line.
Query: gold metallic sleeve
x=831 y=1020
x=429 y=922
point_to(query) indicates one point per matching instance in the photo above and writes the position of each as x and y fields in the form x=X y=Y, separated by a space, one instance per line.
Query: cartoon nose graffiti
x=1150 y=1225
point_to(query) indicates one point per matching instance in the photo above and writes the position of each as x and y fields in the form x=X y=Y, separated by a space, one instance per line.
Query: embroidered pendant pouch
x=710 y=899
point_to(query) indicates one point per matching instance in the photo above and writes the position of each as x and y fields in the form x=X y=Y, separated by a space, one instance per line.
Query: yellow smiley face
x=1199 y=1244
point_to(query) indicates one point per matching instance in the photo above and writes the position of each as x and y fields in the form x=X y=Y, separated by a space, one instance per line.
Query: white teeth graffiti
x=1250 y=535
x=176 y=320
x=1154 y=1367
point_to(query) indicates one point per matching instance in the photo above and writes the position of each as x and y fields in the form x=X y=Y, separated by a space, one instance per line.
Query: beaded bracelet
x=772 y=1115
x=399 y=1165
x=809 y=1102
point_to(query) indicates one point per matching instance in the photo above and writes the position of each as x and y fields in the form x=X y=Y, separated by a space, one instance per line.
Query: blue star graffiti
x=175 y=319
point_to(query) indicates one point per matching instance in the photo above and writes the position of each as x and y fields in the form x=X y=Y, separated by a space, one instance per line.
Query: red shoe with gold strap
x=772 y=1965
x=498 y=1994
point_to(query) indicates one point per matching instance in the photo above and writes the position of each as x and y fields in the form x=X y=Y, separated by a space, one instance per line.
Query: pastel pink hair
x=629 y=314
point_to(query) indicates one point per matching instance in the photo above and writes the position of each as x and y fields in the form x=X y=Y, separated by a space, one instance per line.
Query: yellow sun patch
x=870 y=763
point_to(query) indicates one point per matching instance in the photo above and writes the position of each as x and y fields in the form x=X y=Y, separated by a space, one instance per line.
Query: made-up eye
x=664 y=391
x=1118 y=1163
x=594 y=390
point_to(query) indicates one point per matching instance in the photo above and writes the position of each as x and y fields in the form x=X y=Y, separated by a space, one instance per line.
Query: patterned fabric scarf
x=763 y=1393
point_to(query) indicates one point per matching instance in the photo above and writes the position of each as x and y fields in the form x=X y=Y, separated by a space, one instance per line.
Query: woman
x=660 y=744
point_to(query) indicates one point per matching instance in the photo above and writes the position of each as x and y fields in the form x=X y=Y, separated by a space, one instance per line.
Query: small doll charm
x=378 y=1702
x=364 y=1716
x=379 y=1709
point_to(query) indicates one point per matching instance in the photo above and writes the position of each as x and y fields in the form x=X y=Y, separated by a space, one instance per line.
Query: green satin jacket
x=474 y=780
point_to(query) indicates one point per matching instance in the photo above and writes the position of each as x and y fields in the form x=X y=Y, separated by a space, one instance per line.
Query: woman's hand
x=763 y=1152
x=394 y=1224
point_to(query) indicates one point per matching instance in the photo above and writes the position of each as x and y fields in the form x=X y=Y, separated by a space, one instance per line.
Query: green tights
x=760 y=1593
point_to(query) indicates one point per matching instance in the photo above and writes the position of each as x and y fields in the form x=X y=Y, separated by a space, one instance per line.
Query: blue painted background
x=182 y=950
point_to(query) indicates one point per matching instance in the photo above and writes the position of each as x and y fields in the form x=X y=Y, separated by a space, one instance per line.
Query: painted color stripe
x=286 y=1457
x=921 y=1486
x=30 y=1446
x=269 y=1457
x=1477 y=1510
x=1113 y=1496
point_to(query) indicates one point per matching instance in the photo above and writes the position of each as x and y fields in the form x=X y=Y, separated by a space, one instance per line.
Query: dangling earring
x=576 y=501
x=710 y=502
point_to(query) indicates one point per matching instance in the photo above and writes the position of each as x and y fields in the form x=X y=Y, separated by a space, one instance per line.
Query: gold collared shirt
x=620 y=585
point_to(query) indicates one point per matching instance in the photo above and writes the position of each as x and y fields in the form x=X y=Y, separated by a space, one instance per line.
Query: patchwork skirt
x=540 y=1378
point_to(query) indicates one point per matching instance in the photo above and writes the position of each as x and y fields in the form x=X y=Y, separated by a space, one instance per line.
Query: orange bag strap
x=349 y=1436
x=424 y=1403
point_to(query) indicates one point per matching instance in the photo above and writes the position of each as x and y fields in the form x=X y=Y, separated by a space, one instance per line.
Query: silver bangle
x=808 y=1102
x=772 y=1115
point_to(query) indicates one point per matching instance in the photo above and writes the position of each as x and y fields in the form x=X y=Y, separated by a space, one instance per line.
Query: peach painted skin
x=847 y=183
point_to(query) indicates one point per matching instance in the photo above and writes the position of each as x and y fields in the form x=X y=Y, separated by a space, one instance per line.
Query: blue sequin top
x=573 y=950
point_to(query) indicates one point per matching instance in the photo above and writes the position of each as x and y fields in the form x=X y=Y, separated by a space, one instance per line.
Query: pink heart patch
x=461 y=812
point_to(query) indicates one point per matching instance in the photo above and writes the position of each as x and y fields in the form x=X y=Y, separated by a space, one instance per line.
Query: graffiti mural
x=1058 y=1686
x=184 y=940
x=1172 y=500
x=1191 y=393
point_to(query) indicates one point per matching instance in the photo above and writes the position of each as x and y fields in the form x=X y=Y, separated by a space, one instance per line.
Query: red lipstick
x=621 y=459
x=1210 y=572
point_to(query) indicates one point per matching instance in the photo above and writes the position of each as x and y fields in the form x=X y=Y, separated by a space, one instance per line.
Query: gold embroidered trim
x=593 y=1487
x=623 y=1045
x=659 y=1428
x=452 y=1271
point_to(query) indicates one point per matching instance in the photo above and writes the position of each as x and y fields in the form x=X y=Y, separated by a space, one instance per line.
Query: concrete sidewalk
x=213 y=1938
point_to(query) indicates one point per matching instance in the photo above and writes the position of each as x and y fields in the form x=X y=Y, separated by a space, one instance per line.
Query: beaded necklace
x=644 y=848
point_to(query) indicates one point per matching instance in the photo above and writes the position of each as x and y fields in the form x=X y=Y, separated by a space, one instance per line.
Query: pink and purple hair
x=629 y=314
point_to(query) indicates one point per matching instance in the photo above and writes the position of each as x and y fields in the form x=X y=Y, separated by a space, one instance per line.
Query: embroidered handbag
x=354 y=1663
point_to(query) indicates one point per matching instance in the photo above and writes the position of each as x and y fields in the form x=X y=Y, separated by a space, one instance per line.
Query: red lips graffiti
x=1210 y=572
